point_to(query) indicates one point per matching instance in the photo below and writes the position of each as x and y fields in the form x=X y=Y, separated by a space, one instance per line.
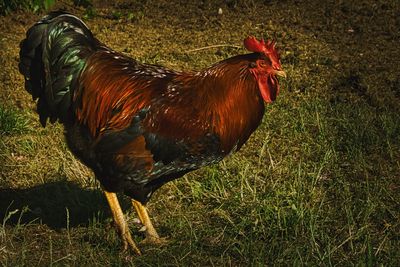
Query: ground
x=317 y=183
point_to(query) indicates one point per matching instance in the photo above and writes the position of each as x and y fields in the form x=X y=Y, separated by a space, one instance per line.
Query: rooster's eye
x=252 y=65
x=266 y=62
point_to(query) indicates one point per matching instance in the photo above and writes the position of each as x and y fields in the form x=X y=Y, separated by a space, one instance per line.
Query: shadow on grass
x=53 y=204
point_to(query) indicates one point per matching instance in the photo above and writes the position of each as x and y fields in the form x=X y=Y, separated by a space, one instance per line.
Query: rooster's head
x=266 y=67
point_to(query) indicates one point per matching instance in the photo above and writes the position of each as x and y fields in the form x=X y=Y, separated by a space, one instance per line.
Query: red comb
x=254 y=45
x=259 y=46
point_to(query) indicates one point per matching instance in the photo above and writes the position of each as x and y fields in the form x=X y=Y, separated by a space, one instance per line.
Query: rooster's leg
x=120 y=222
x=151 y=233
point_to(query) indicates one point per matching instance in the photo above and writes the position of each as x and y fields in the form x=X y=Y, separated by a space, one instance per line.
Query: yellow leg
x=120 y=222
x=151 y=233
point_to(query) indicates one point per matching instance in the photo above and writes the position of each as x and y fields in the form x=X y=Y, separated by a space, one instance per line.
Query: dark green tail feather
x=51 y=58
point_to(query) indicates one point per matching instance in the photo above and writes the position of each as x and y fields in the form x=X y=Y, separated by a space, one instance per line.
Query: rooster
x=138 y=126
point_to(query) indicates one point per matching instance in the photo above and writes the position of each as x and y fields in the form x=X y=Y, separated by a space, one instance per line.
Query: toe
x=153 y=240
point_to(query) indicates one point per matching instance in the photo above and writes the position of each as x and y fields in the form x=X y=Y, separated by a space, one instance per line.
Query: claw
x=129 y=244
x=151 y=234
x=121 y=224
x=152 y=240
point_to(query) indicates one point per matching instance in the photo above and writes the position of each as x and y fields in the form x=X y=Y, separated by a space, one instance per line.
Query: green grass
x=316 y=185
x=11 y=121
x=8 y=6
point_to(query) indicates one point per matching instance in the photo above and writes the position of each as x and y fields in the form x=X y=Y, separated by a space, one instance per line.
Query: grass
x=8 y=6
x=11 y=122
x=316 y=185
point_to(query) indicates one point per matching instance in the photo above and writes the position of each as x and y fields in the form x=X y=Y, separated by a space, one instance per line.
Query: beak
x=280 y=73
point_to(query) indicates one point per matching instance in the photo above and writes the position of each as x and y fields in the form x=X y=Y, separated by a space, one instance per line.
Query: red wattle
x=268 y=88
